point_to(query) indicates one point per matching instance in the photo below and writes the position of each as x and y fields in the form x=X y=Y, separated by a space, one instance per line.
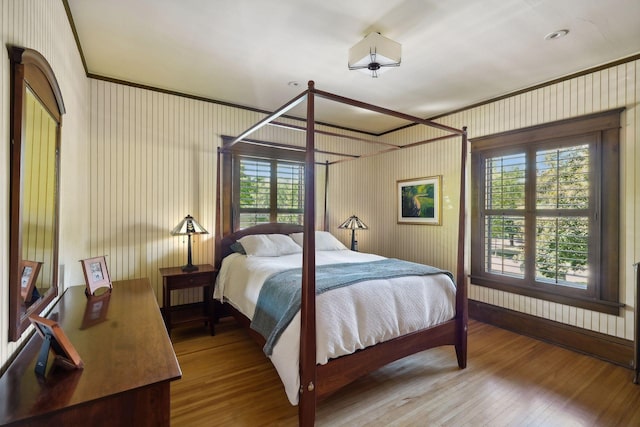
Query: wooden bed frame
x=319 y=381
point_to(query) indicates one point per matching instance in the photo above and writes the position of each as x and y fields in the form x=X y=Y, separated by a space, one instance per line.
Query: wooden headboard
x=224 y=245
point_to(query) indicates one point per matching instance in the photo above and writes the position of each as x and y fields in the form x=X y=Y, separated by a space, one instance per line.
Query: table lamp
x=353 y=223
x=188 y=226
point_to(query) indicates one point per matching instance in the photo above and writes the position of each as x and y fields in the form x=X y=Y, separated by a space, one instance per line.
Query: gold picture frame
x=420 y=200
x=28 y=275
x=96 y=274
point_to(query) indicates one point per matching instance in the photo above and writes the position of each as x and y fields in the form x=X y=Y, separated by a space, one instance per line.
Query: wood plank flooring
x=510 y=380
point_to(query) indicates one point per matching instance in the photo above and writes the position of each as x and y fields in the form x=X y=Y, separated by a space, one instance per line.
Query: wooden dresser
x=128 y=365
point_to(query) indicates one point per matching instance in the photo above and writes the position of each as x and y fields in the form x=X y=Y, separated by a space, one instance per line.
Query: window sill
x=602 y=306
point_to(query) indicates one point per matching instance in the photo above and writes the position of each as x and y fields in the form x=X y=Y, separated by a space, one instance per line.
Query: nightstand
x=173 y=278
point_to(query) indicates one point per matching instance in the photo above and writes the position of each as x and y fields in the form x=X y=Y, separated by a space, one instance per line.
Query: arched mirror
x=36 y=119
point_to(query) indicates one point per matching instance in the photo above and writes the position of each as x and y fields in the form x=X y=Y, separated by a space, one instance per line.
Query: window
x=270 y=191
x=261 y=183
x=545 y=217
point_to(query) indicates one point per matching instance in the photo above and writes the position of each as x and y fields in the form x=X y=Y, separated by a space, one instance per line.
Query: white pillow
x=269 y=245
x=325 y=241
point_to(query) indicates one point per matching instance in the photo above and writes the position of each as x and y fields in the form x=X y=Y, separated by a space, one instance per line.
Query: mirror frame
x=29 y=68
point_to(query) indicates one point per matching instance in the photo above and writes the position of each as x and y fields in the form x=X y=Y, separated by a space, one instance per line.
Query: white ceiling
x=454 y=53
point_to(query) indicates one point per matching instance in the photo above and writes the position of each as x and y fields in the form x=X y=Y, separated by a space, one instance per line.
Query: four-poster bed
x=319 y=380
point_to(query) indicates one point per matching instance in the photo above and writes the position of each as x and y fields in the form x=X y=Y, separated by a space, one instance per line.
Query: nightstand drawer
x=191 y=280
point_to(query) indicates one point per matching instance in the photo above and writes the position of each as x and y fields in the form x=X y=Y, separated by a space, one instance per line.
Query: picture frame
x=96 y=274
x=420 y=200
x=54 y=339
x=29 y=271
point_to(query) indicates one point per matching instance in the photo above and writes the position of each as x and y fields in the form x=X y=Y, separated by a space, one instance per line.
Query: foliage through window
x=545 y=222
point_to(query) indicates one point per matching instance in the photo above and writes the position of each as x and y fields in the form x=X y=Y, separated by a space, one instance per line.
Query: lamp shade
x=353 y=223
x=188 y=226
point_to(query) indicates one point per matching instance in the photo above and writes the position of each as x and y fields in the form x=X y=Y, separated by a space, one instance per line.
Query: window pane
x=254 y=183
x=505 y=181
x=251 y=219
x=563 y=178
x=562 y=246
x=291 y=218
x=290 y=186
x=504 y=245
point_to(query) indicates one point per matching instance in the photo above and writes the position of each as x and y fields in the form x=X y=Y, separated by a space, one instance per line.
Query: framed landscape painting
x=420 y=201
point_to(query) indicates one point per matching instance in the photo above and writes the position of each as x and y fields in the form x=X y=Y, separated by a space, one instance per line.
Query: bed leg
x=307 y=407
x=461 y=347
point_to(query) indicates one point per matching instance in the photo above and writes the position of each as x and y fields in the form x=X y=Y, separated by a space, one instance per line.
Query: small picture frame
x=28 y=275
x=420 y=200
x=54 y=339
x=96 y=274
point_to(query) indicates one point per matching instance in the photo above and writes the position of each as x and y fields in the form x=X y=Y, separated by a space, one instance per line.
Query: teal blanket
x=279 y=298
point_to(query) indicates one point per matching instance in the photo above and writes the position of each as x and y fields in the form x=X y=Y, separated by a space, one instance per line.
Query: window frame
x=603 y=294
x=231 y=176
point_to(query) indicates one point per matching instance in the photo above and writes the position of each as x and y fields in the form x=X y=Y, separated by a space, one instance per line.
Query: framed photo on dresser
x=54 y=339
x=96 y=274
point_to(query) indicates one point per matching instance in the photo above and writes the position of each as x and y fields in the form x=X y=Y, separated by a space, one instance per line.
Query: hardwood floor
x=510 y=380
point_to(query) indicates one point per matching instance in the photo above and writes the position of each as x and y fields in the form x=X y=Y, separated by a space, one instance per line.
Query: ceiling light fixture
x=556 y=35
x=374 y=53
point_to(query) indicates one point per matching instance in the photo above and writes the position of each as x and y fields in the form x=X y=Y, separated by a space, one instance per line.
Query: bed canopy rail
x=290 y=147
x=338 y=135
x=318 y=381
x=313 y=92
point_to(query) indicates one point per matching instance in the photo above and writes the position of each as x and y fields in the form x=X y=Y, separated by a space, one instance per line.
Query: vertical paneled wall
x=374 y=197
x=368 y=188
x=153 y=160
x=42 y=25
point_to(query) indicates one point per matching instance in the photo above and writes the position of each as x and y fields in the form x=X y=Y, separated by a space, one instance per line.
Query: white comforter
x=348 y=318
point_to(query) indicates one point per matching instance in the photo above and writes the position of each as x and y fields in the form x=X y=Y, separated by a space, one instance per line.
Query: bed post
x=462 y=310
x=326 y=185
x=307 y=403
x=218 y=236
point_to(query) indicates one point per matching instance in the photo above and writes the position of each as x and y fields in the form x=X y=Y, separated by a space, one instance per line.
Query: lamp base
x=354 y=242
x=189 y=267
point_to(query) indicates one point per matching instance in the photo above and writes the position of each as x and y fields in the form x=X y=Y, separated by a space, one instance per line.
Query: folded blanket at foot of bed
x=279 y=298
